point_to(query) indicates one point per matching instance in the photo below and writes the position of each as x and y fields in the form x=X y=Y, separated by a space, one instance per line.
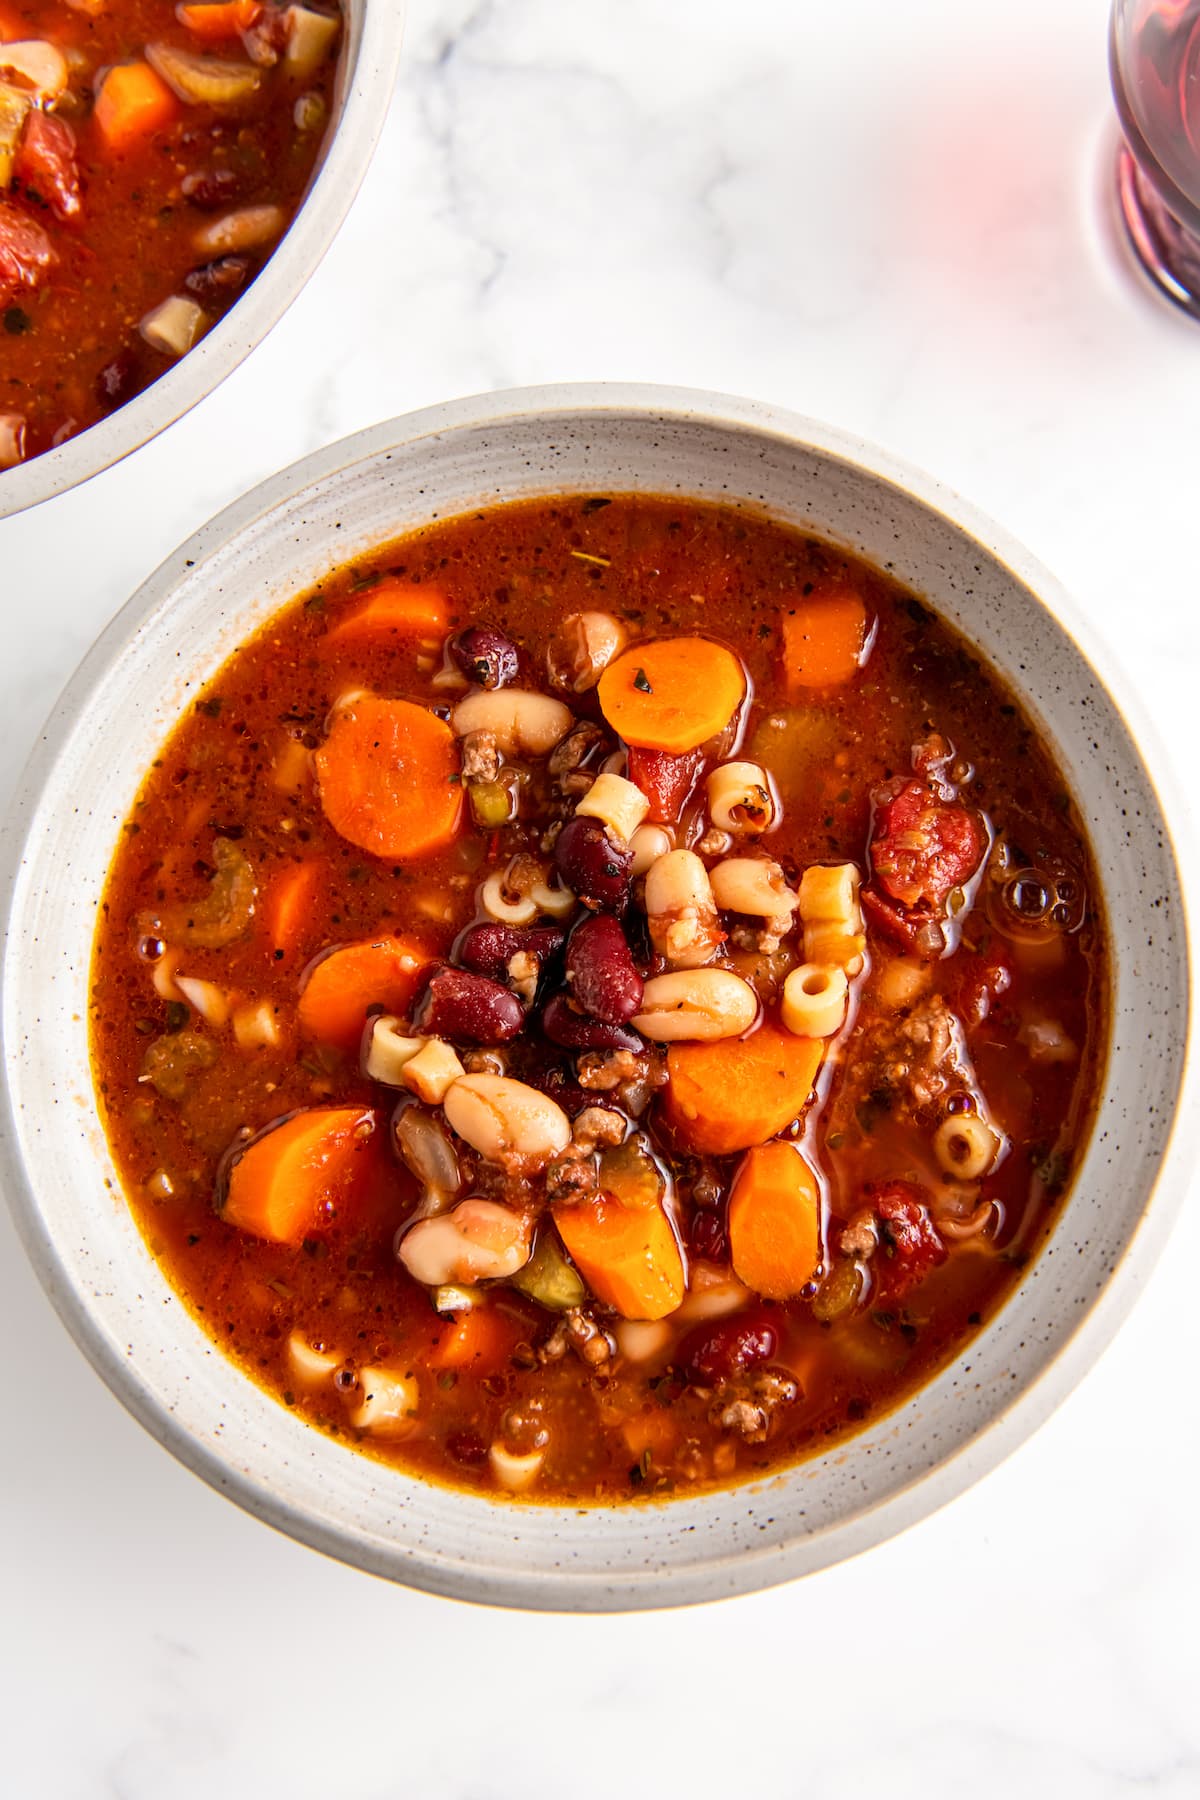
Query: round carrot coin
x=389 y=779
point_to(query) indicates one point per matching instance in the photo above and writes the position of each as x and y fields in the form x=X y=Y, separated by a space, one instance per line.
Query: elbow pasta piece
x=501 y=904
x=515 y=1473
x=433 y=1070
x=966 y=1146
x=814 y=1000
x=829 y=893
x=836 y=943
x=389 y=1403
x=617 y=803
x=740 y=799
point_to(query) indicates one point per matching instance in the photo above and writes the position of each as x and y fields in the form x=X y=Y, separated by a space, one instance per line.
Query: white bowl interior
x=175 y=634
x=366 y=76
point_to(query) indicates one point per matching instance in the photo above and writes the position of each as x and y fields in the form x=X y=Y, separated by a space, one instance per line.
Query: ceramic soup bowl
x=80 y=784
x=366 y=77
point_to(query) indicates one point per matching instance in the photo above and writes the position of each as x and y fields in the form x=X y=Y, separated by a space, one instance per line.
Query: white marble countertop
x=889 y=217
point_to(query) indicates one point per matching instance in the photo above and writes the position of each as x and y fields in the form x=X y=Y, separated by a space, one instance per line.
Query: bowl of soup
x=596 y=999
x=170 y=175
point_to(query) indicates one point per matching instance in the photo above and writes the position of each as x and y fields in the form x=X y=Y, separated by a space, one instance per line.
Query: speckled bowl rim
x=367 y=80
x=750 y=1568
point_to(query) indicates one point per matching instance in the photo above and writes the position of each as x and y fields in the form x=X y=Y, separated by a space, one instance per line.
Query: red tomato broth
x=627 y=1429
x=70 y=346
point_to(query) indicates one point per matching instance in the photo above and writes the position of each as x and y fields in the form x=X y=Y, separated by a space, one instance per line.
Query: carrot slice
x=296 y=1177
x=291 y=905
x=627 y=1254
x=775 y=1221
x=219 y=18
x=731 y=1095
x=480 y=1342
x=341 y=986
x=394 y=609
x=133 y=103
x=672 y=694
x=389 y=778
x=825 y=640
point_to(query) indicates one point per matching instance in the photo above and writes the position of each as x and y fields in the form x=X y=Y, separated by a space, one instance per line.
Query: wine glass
x=1154 y=60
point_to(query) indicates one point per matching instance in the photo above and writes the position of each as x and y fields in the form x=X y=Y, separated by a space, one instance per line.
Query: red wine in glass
x=1154 y=58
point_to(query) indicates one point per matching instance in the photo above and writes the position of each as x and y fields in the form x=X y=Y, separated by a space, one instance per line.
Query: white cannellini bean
x=389 y=1403
x=501 y=1117
x=477 y=1240
x=523 y=723
x=617 y=803
x=582 y=648
x=307 y=1364
x=740 y=798
x=516 y=1474
x=753 y=885
x=246 y=229
x=648 y=843
x=696 y=1004
x=680 y=910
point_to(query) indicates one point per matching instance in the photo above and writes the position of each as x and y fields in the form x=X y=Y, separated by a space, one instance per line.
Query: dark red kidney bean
x=716 y=1352
x=467 y=1449
x=593 y=866
x=218 y=283
x=213 y=189
x=468 y=1009
x=488 y=949
x=600 y=970
x=706 y=1235
x=485 y=655
x=574 y=1031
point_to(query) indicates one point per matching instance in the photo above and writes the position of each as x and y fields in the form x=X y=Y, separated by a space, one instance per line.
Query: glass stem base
x=1167 y=251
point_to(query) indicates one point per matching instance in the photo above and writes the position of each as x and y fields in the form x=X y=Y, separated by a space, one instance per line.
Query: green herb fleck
x=641 y=682
x=177 y=1016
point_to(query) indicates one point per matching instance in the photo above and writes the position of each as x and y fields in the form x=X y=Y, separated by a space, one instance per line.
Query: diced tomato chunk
x=45 y=163
x=26 y=254
x=923 y=847
x=665 y=779
x=909 y=1245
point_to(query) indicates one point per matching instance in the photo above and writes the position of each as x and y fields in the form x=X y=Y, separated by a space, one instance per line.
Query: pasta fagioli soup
x=599 y=999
